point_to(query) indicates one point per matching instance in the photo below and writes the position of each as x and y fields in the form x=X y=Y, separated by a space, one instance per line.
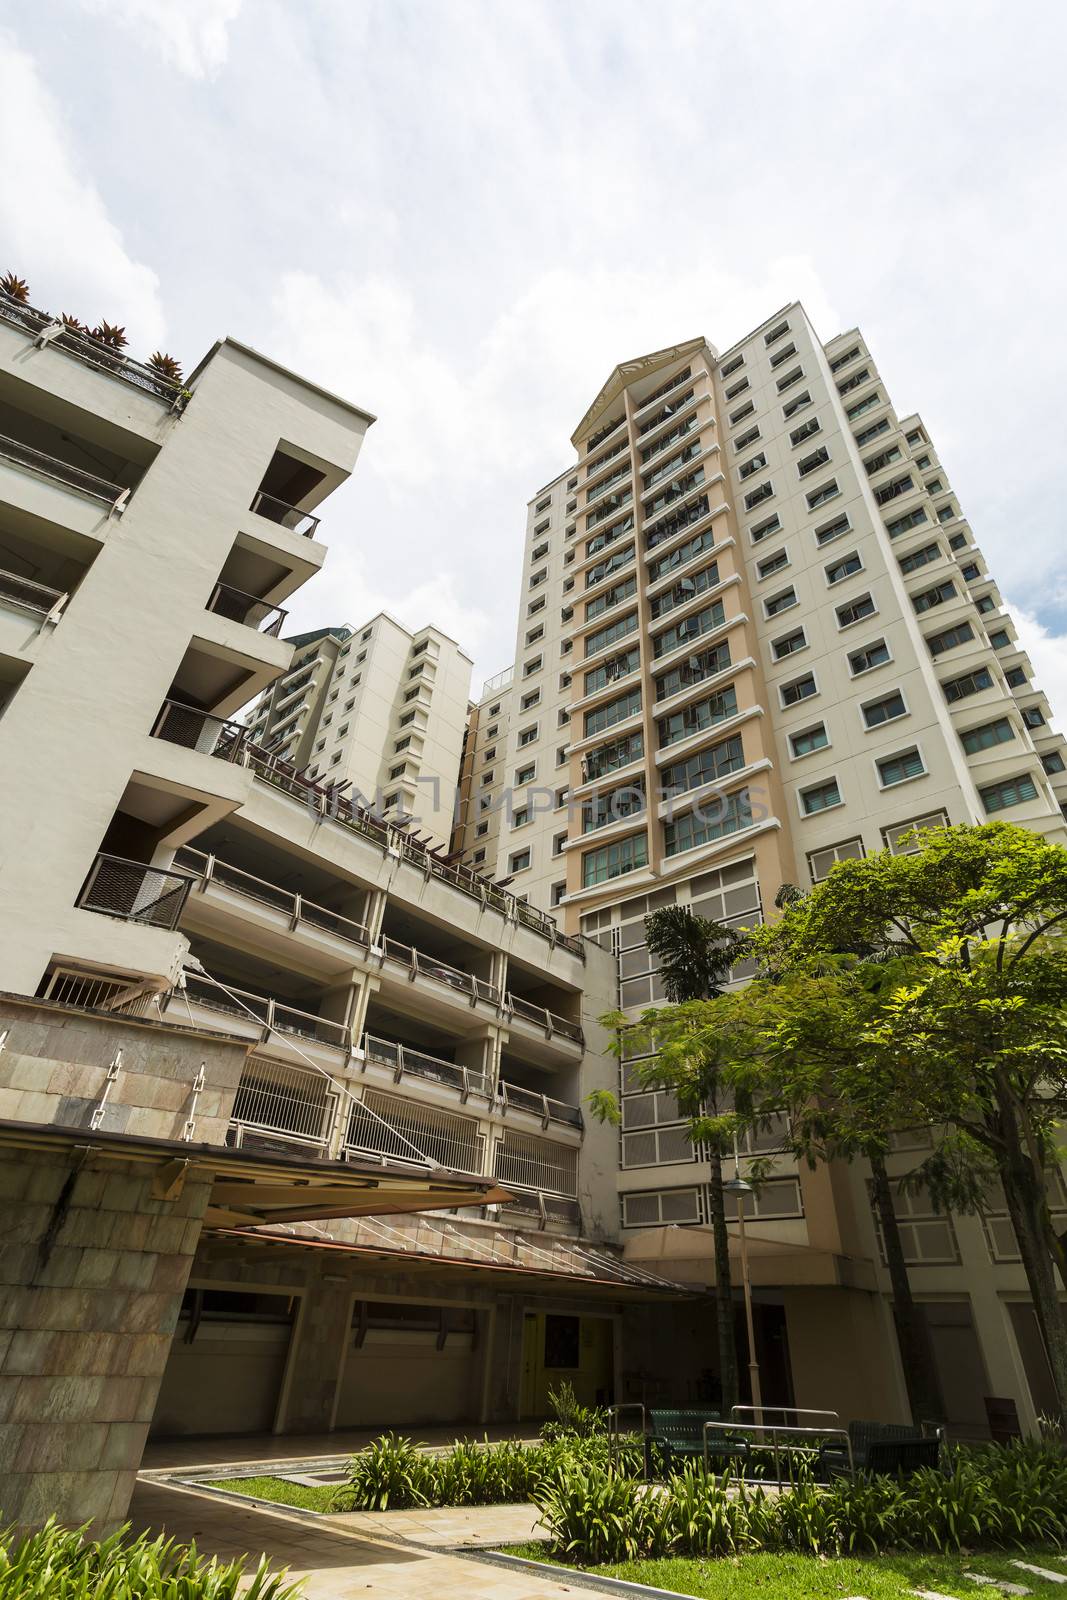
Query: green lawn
x=313 y=1497
x=814 y=1578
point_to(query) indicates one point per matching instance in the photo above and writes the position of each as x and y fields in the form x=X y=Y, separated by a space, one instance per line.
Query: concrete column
x=319 y=1350
x=92 y=1271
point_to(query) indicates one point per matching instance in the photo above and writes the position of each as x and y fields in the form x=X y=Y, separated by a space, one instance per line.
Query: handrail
x=401 y=1059
x=428 y=966
x=287 y=516
x=793 y=1411
x=272 y=1016
x=549 y=1020
x=614 y=1436
x=777 y=1433
x=46 y=466
x=542 y=1105
x=209 y=869
x=135 y=891
x=33 y=596
x=105 y=358
x=249 y=609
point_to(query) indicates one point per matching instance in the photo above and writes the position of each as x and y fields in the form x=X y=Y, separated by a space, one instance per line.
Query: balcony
x=275 y=1100
x=420 y=965
x=226 y=601
x=541 y=1017
x=194 y=729
x=285 y=515
x=17 y=454
x=135 y=892
x=403 y=1062
x=104 y=358
x=262 y=1016
x=526 y=1161
x=514 y=1096
x=37 y=597
x=207 y=871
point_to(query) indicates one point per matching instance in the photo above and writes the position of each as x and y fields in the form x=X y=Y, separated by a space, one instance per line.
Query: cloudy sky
x=462 y=213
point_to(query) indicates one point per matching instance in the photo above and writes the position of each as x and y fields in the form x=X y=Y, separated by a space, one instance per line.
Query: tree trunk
x=1028 y=1210
x=913 y=1335
x=724 y=1299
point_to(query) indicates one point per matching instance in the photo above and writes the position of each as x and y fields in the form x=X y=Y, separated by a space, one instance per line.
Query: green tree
x=695 y=956
x=966 y=1027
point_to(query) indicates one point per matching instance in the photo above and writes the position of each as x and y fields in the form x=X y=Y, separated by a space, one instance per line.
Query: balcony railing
x=45 y=466
x=230 y=741
x=83 y=347
x=31 y=596
x=291 y=517
x=135 y=892
x=545 y=1209
x=209 y=869
x=542 y=1105
x=544 y=1018
x=403 y=1062
x=268 y=1015
x=226 y=601
x=527 y=1161
x=440 y=972
x=274 y=1098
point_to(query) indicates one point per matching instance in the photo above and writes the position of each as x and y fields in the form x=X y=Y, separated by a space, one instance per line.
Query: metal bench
x=884 y=1447
x=686 y=1436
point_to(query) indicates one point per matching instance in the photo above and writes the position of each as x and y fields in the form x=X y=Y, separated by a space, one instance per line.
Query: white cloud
x=55 y=225
x=191 y=35
x=1048 y=653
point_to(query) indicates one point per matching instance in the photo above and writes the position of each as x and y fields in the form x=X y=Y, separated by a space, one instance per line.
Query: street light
x=740 y=1187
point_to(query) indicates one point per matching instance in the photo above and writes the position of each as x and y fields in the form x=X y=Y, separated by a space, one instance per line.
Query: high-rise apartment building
x=757 y=636
x=378 y=709
x=483 y=767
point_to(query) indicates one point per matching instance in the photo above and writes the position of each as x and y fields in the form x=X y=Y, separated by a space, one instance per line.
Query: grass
x=786 y=1577
x=311 y=1497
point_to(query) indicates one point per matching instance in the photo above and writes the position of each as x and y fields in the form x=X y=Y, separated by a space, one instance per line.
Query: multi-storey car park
x=290 y=1102
x=756 y=636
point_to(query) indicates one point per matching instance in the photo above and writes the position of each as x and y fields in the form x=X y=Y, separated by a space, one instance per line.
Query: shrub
x=571 y=1420
x=391 y=1471
x=63 y=1564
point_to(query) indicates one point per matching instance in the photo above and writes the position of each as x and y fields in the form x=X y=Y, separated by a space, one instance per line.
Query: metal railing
x=209 y=869
x=545 y=1208
x=226 y=601
x=402 y=1061
x=387 y=1126
x=51 y=467
x=525 y=1161
x=542 y=1105
x=548 y=1020
x=135 y=892
x=93 y=352
x=266 y=1014
x=275 y=1098
x=440 y=972
x=178 y=723
x=287 y=516
x=33 y=596
x=778 y=1439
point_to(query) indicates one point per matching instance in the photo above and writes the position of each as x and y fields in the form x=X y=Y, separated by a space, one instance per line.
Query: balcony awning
x=250 y=1188
x=689 y=1250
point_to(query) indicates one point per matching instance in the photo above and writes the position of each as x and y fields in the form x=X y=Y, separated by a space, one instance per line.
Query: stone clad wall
x=92 y=1272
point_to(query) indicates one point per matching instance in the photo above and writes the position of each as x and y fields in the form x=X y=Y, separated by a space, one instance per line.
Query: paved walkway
x=336 y=1559
x=162 y=1455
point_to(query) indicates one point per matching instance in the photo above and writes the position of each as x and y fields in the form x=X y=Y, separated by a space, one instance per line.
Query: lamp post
x=739 y=1187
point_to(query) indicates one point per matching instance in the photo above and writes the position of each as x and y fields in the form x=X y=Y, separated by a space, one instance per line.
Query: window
x=838 y=571
x=899 y=768
x=798 y=402
x=822 y=797
x=614 y=860
x=717 y=761
x=971 y=571
x=810 y=740
x=494 y=711
x=985 y=604
x=780 y=602
x=788 y=644
x=542 y=505
x=900 y=838
x=696 y=717
x=805 y=431
x=762 y=529
x=691 y=627
x=743 y=440
x=855 y=611
x=934 y=486
x=562 y=754
x=895 y=487
x=843 y=360
x=1015 y=677
x=970 y=683
x=601 y=809
x=519 y=860
x=755 y=497
x=1053 y=762
x=783 y=354
x=732 y=366
x=920 y=558
x=520 y=817
x=791 y=694
x=737 y=388
x=611 y=633
x=854 y=382
x=790 y=378
x=822 y=862
x=530 y=700
x=535 y=633
x=559 y=842
x=987 y=736
x=478 y=857
x=958 y=541
x=538 y=577
x=934 y=597
x=754 y=464
x=825 y=491
x=559 y=891
x=536 y=605
x=1001 y=639
x=610 y=671
x=613 y=711
x=741 y=413
x=808 y=464
x=525 y=774
x=335 y=758
x=539 y=551
x=528 y=735
x=871 y=656
x=715 y=820
x=1009 y=792
x=480 y=832
x=832 y=530
x=912 y=519
x=938 y=643
x=1034 y=717
x=406 y=719
x=884 y=458
x=868 y=403
x=865 y=435
x=402 y=744
x=887 y=709
x=773 y=563
x=776 y=333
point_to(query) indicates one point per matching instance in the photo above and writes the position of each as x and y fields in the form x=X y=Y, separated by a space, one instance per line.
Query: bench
x=883 y=1447
x=680 y=1436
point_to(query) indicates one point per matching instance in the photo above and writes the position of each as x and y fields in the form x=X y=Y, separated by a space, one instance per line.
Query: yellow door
x=531 y=1364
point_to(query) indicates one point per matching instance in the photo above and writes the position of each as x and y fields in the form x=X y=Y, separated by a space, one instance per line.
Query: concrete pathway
x=261 y=1449
x=335 y=1558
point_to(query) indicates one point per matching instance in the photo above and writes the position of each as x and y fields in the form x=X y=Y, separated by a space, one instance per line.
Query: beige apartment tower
x=757 y=636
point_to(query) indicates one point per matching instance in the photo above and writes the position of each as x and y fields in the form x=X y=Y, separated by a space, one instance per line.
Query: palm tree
x=695 y=956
